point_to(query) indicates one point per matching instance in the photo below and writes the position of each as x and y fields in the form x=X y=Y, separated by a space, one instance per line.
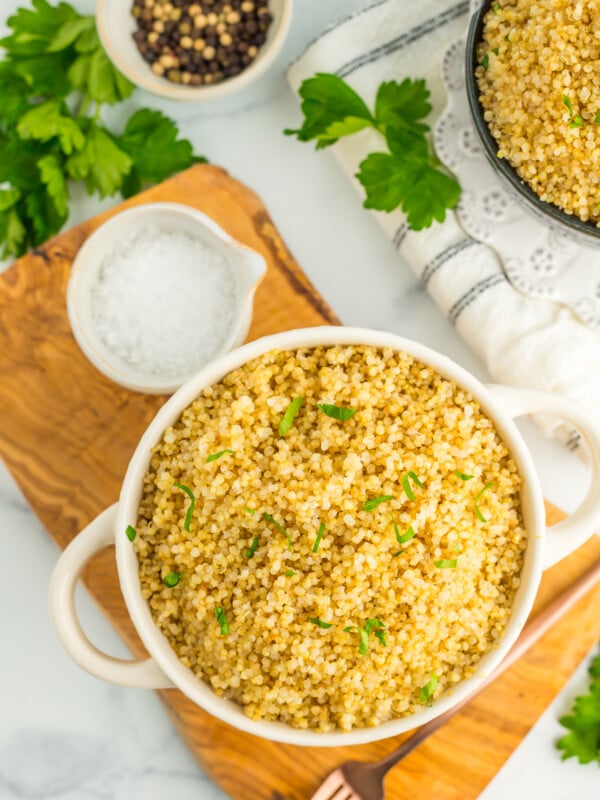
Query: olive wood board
x=67 y=433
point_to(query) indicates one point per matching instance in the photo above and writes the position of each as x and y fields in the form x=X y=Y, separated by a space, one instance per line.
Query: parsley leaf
x=101 y=164
x=583 y=740
x=327 y=99
x=401 y=105
x=53 y=178
x=147 y=134
x=419 y=189
x=51 y=120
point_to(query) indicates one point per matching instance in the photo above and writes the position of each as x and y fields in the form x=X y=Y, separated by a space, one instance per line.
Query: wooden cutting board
x=67 y=433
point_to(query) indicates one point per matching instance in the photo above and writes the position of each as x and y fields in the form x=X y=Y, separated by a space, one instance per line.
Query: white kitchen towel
x=524 y=342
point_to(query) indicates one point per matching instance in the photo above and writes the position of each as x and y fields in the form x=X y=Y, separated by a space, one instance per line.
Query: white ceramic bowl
x=163 y=669
x=249 y=268
x=116 y=25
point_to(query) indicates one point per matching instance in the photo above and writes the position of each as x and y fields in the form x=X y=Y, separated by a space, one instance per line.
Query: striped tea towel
x=523 y=341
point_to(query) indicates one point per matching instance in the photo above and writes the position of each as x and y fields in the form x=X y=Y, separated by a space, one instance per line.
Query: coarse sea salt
x=164 y=302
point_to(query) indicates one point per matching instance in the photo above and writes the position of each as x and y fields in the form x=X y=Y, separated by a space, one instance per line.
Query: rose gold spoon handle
x=530 y=634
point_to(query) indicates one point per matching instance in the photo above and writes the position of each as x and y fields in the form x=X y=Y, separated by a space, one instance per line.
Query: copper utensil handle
x=532 y=631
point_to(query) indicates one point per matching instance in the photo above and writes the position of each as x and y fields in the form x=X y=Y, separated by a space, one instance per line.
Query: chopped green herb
x=495 y=50
x=446 y=563
x=131 y=532
x=190 y=511
x=251 y=511
x=290 y=415
x=426 y=693
x=252 y=549
x=320 y=623
x=378 y=629
x=576 y=122
x=477 y=509
x=376 y=501
x=507 y=37
x=462 y=476
x=583 y=724
x=320 y=533
x=374 y=625
x=403 y=538
x=172 y=579
x=406 y=484
x=485 y=61
x=222 y=620
x=269 y=518
x=289 y=572
x=227 y=452
x=457 y=548
x=337 y=412
x=597 y=118
x=568 y=104
x=496 y=8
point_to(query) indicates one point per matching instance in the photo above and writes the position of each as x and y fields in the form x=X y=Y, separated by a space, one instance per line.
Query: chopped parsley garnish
x=446 y=563
x=376 y=501
x=374 y=625
x=320 y=533
x=495 y=50
x=337 y=412
x=251 y=511
x=410 y=476
x=252 y=549
x=131 y=532
x=290 y=415
x=597 y=118
x=222 y=620
x=496 y=8
x=575 y=120
x=426 y=693
x=462 y=476
x=507 y=37
x=485 y=61
x=477 y=509
x=172 y=579
x=273 y=521
x=320 y=623
x=568 y=104
x=227 y=452
x=289 y=572
x=190 y=511
x=403 y=538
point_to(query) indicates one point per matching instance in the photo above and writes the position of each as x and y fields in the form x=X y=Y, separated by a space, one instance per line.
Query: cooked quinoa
x=440 y=599
x=540 y=91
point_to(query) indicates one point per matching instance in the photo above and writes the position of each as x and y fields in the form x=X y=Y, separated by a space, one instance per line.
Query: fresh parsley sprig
x=55 y=79
x=408 y=174
x=583 y=723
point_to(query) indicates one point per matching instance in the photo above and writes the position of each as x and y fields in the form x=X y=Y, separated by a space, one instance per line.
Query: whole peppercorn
x=200 y=42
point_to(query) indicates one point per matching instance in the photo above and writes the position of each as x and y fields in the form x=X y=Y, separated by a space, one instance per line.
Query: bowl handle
x=100 y=533
x=565 y=536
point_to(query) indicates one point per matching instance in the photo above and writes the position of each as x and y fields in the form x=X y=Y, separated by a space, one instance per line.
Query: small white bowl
x=249 y=268
x=116 y=26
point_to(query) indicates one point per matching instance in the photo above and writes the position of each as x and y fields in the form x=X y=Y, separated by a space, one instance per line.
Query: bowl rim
x=127 y=564
x=541 y=209
x=86 y=259
x=173 y=91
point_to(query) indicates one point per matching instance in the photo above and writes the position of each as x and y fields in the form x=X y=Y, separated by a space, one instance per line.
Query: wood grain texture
x=67 y=433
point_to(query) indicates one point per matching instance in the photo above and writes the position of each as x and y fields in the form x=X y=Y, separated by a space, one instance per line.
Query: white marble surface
x=64 y=734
